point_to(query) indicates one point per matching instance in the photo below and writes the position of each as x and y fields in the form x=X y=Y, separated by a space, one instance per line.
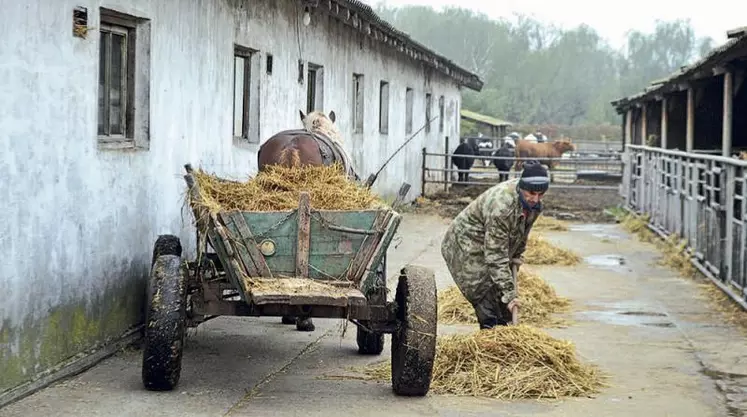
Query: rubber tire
x=414 y=339
x=166 y=245
x=165 y=323
x=372 y=343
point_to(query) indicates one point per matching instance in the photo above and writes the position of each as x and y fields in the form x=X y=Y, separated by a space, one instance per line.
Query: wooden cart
x=303 y=263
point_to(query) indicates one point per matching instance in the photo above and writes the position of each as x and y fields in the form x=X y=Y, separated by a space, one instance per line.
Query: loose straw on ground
x=550 y=224
x=278 y=189
x=539 y=302
x=507 y=362
x=541 y=252
x=673 y=248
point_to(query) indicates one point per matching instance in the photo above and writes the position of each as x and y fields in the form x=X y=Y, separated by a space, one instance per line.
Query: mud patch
x=734 y=389
x=585 y=206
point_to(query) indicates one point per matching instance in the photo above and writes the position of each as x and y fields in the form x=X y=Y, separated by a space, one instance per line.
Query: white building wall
x=80 y=221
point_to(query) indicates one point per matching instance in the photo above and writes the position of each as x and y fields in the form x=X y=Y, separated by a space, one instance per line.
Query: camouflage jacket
x=482 y=240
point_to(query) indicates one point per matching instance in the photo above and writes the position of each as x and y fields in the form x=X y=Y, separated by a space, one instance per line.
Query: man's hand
x=517 y=261
x=514 y=303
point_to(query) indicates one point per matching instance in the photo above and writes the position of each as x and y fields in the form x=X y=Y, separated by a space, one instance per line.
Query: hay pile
x=538 y=303
x=507 y=362
x=550 y=224
x=278 y=189
x=541 y=252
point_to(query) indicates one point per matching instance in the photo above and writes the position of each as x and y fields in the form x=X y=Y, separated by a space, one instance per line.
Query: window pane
x=103 y=50
x=116 y=100
x=238 y=96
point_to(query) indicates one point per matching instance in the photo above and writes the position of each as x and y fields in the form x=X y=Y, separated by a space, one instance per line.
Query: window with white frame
x=358 y=103
x=123 y=88
x=245 y=95
x=384 y=107
x=409 y=98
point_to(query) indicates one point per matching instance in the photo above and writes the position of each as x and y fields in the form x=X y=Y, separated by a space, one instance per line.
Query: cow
x=461 y=162
x=504 y=165
x=555 y=149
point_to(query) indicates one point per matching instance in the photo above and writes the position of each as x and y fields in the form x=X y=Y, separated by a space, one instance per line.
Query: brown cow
x=530 y=150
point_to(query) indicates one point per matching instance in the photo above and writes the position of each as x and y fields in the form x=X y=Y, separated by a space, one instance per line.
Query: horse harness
x=329 y=150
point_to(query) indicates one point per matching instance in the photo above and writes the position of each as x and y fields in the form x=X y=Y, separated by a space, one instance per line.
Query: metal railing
x=701 y=199
x=585 y=173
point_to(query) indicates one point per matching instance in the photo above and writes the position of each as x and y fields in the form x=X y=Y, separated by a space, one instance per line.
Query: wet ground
x=668 y=352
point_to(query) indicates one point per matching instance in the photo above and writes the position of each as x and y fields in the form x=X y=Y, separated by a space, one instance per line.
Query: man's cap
x=534 y=177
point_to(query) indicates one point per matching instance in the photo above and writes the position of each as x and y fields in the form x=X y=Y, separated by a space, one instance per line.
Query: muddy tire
x=165 y=320
x=372 y=343
x=414 y=339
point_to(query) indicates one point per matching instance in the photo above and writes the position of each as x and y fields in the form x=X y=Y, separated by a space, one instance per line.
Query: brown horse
x=318 y=143
x=529 y=150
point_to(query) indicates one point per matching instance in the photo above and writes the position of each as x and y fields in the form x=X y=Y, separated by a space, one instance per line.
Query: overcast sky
x=611 y=19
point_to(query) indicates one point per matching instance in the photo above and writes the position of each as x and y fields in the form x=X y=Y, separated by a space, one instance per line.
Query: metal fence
x=569 y=172
x=699 y=198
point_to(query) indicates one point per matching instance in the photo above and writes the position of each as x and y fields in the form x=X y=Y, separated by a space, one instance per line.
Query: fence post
x=422 y=175
x=727 y=192
x=447 y=177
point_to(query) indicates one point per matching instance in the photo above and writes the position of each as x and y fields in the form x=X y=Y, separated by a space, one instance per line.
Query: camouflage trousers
x=474 y=283
x=490 y=311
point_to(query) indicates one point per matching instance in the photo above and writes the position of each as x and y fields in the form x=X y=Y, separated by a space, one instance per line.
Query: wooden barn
x=683 y=136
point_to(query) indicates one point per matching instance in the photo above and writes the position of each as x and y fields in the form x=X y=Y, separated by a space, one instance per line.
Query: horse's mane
x=318 y=122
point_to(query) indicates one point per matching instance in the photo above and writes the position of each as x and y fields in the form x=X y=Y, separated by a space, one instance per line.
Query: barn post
x=729 y=172
x=447 y=174
x=644 y=123
x=726 y=139
x=664 y=122
x=422 y=173
x=690 y=138
x=628 y=127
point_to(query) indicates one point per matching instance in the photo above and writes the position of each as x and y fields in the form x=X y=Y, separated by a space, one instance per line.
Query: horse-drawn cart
x=303 y=263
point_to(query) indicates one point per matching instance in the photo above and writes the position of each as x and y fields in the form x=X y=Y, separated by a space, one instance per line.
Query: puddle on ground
x=628 y=318
x=611 y=262
x=659 y=324
x=602 y=231
x=642 y=313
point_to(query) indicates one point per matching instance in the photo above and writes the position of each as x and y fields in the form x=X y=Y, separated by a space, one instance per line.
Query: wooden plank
x=302 y=291
x=304 y=226
x=368 y=248
x=245 y=259
x=368 y=276
x=251 y=245
x=401 y=194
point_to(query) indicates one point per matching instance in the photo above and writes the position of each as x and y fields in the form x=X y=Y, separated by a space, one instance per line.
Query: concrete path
x=668 y=354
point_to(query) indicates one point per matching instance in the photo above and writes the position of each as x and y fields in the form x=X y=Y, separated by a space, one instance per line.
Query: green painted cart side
x=341 y=248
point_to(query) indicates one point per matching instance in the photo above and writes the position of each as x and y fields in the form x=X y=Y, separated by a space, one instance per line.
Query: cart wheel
x=414 y=339
x=165 y=318
x=372 y=343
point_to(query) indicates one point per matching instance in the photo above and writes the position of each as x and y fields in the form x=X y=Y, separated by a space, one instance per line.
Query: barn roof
x=481 y=118
x=361 y=16
x=708 y=66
